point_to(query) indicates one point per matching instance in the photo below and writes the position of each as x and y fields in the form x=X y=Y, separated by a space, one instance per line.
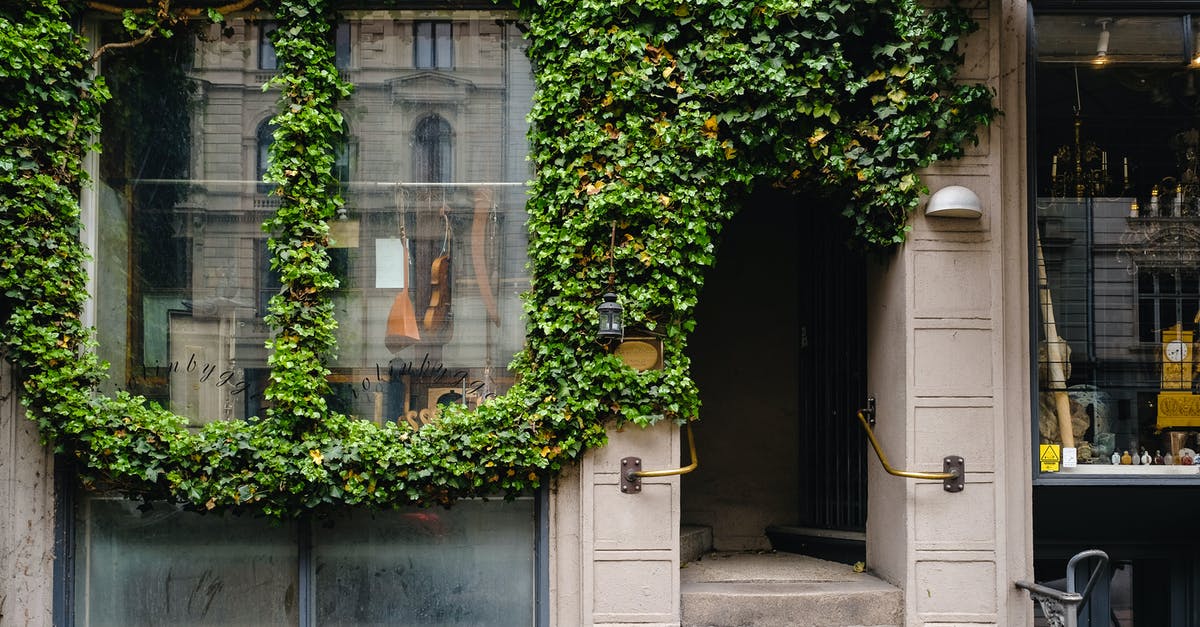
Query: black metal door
x=832 y=375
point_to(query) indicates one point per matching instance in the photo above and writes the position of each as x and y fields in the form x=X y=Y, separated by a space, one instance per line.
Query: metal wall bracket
x=956 y=468
x=631 y=481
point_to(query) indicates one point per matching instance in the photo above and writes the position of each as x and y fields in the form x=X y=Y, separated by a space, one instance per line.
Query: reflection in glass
x=433 y=45
x=432 y=171
x=432 y=150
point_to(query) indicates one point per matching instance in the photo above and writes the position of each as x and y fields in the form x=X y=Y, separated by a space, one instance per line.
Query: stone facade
x=948 y=342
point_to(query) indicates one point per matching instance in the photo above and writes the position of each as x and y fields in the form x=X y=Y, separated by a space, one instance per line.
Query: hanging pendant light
x=611 y=327
x=1102 y=42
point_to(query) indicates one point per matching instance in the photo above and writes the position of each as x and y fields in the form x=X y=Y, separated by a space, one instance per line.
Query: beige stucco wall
x=26 y=516
x=614 y=557
x=949 y=364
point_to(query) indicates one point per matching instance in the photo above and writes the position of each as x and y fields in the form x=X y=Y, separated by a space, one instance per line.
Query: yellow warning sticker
x=1051 y=457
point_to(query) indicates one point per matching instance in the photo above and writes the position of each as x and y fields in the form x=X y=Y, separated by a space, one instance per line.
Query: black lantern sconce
x=610 y=319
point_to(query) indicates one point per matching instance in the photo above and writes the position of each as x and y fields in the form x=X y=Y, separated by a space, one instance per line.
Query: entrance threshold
x=768 y=589
x=847 y=547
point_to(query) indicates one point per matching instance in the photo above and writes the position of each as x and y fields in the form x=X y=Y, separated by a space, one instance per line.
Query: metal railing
x=1061 y=607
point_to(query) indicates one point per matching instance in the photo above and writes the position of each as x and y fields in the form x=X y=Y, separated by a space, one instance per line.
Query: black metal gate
x=833 y=375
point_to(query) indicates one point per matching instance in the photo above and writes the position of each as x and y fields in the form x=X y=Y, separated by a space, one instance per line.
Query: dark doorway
x=779 y=353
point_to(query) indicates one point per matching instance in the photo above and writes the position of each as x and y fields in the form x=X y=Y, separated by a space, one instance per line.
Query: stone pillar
x=614 y=557
x=26 y=516
x=949 y=364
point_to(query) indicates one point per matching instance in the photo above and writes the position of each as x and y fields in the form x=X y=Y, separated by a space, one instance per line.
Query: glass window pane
x=1167 y=283
x=429 y=249
x=443 y=42
x=1146 y=320
x=266 y=49
x=472 y=564
x=1188 y=284
x=1167 y=313
x=170 y=567
x=1117 y=174
x=434 y=232
x=342 y=45
x=1145 y=283
x=423 y=50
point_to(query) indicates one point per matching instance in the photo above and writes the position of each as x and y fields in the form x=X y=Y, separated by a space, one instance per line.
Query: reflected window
x=432 y=150
x=270 y=283
x=266 y=49
x=341 y=37
x=1166 y=298
x=263 y=137
x=433 y=45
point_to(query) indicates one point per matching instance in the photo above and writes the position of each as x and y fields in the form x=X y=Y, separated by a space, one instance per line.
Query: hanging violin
x=438 y=321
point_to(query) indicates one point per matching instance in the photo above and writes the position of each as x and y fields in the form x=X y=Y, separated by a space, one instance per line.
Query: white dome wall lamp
x=954 y=201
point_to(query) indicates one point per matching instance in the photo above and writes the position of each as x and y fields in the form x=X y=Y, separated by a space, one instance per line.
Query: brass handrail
x=674 y=471
x=952 y=478
x=631 y=477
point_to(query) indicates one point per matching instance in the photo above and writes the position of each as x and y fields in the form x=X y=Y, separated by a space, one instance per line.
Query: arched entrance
x=779 y=353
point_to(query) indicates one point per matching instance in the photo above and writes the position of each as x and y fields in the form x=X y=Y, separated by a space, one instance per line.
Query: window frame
x=66 y=512
x=434 y=41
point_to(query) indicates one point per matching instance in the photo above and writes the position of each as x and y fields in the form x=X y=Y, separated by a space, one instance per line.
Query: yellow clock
x=1177 y=369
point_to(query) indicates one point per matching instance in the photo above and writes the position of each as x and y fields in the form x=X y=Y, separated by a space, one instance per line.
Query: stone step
x=694 y=542
x=784 y=590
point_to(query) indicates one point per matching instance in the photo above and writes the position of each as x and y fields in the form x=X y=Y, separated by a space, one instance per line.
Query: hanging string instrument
x=436 y=322
x=402 y=329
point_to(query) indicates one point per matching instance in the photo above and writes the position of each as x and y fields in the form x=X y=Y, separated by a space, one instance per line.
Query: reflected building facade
x=429 y=248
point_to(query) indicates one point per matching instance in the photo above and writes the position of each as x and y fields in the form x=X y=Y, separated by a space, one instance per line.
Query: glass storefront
x=429 y=251
x=1115 y=251
x=1116 y=244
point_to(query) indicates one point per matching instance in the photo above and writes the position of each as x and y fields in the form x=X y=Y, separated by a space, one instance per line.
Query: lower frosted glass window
x=170 y=567
x=471 y=565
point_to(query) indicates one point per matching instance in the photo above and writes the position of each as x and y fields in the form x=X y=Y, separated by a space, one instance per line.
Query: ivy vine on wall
x=655 y=118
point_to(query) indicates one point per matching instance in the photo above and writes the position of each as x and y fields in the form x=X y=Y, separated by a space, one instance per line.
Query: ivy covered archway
x=650 y=119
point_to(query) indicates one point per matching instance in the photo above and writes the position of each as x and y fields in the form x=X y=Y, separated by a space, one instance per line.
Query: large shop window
x=430 y=253
x=430 y=250
x=1116 y=245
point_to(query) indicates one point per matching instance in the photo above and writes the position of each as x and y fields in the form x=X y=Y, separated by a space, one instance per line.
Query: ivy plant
x=651 y=121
